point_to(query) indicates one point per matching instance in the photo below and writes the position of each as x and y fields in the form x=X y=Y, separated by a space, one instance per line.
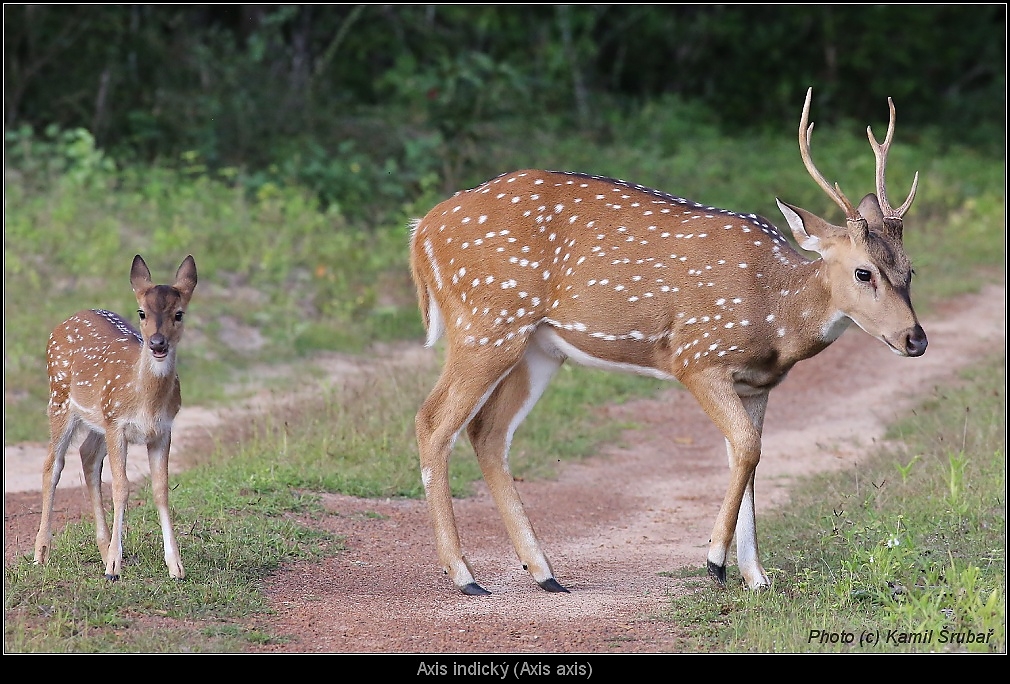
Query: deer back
x=635 y=277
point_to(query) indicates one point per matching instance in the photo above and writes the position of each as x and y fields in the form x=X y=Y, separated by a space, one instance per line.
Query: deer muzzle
x=915 y=341
x=158 y=345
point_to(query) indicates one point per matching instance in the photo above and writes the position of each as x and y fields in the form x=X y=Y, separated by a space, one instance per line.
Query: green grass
x=909 y=548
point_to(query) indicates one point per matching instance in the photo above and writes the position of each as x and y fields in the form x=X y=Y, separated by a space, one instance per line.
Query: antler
x=835 y=193
x=880 y=152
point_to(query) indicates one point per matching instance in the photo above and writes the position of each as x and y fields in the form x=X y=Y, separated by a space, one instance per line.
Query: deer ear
x=869 y=209
x=140 y=275
x=185 y=277
x=811 y=231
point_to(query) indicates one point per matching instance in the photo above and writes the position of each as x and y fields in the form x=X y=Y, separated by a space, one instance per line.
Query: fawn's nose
x=158 y=344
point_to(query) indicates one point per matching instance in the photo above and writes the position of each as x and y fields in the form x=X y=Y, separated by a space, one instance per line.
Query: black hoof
x=112 y=578
x=474 y=589
x=552 y=585
x=718 y=573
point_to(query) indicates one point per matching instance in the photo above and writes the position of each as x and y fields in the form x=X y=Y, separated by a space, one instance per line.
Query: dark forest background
x=253 y=86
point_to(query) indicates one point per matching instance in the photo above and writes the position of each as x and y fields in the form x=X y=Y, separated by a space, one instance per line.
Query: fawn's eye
x=178 y=315
x=140 y=312
x=863 y=275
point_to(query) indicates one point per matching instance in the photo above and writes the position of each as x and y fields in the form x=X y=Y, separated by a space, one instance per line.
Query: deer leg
x=746 y=530
x=458 y=395
x=62 y=432
x=157 y=455
x=746 y=454
x=93 y=452
x=116 y=444
x=491 y=432
x=715 y=393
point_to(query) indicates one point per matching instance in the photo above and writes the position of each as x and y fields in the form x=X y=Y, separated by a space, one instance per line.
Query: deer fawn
x=536 y=267
x=117 y=386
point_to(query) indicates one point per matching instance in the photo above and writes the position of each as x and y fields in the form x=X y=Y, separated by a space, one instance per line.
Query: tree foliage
x=261 y=85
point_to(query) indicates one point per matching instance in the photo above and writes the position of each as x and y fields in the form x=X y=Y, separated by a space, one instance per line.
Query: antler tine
x=835 y=193
x=880 y=152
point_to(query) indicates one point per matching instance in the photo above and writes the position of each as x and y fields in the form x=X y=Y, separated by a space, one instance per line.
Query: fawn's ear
x=185 y=277
x=140 y=275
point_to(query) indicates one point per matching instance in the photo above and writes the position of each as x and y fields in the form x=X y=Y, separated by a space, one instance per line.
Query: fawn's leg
x=157 y=455
x=117 y=446
x=61 y=431
x=93 y=453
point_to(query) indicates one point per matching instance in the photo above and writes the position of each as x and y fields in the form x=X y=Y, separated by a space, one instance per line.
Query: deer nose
x=915 y=341
x=158 y=344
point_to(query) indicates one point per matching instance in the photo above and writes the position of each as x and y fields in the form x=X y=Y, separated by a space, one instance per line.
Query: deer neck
x=155 y=396
x=152 y=370
x=803 y=306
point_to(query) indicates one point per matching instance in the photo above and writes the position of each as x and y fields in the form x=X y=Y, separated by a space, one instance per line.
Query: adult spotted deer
x=536 y=267
x=117 y=386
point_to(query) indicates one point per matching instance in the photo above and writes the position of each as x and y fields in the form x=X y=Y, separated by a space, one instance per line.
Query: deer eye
x=140 y=312
x=178 y=315
x=863 y=275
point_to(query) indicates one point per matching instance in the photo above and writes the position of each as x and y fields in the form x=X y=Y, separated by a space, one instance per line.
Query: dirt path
x=610 y=524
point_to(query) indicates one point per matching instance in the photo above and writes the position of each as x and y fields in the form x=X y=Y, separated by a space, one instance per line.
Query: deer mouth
x=892 y=347
x=159 y=346
x=912 y=343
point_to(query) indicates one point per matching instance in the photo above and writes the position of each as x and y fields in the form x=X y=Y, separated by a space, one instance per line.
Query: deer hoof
x=552 y=585
x=718 y=573
x=112 y=578
x=474 y=589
